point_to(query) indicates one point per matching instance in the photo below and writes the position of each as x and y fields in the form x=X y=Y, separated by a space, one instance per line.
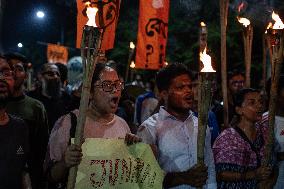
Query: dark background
x=20 y=24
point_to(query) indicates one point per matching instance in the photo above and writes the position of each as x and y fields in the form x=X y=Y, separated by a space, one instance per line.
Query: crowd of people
x=36 y=127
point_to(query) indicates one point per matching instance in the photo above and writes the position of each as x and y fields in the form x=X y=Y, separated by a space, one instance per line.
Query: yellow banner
x=110 y=163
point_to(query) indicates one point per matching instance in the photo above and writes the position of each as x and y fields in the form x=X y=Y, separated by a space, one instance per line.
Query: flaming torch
x=204 y=100
x=90 y=49
x=275 y=36
x=131 y=52
x=247 y=38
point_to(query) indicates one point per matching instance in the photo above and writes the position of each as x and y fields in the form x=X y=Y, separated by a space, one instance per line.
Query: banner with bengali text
x=108 y=23
x=110 y=163
x=57 y=53
x=152 y=34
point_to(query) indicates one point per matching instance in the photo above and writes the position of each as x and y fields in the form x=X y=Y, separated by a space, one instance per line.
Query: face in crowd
x=106 y=92
x=179 y=96
x=50 y=79
x=6 y=82
x=251 y=107
x=19 y=72
x=236 y=83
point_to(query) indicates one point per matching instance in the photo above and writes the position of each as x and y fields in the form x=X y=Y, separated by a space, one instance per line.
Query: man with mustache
x=55 y=100
x=173 y=131
x=14 y=142
x=33 y=113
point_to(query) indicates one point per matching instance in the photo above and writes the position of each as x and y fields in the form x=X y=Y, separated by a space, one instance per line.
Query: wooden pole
x=276 y=42
x=131 y=52
x=264 y=54
x=91 y=42
x=247 y=38
x=224 y=4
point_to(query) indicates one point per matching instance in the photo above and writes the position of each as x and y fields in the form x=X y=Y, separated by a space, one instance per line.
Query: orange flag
x=57 y=53
x=108 y=24
x=152 y=34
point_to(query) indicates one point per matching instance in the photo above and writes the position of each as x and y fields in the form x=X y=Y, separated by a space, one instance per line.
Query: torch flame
x=132 y=46
x=202 y=24
x=91 y=13
x=206 y=60
x=166 y=63
x=278 y=25
x=244 y=21
x=132 y=65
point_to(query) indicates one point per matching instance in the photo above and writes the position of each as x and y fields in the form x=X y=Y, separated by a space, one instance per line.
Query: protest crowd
x=138 y=131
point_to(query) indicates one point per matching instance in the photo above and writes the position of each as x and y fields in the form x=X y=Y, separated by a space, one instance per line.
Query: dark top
x=55 y=108
x=33 y=113
x=14 y=152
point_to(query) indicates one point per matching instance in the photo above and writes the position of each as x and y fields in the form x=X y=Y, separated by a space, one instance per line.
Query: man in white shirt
x=173 y=133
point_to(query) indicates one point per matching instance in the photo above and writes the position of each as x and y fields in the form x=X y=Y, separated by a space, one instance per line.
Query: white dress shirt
x=177 y=144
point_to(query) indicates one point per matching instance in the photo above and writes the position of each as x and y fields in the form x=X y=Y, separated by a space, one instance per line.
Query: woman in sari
x=238 y=150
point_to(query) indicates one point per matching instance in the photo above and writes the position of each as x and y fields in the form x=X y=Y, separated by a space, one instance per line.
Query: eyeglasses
x=51 y=73
x=108 y=86
x=238 y=83
x=6 y=73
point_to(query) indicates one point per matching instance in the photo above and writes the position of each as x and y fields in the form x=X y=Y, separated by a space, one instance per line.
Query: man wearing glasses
x=101 y=122
x=33 y=113
x=55 y=100
x=14 y=143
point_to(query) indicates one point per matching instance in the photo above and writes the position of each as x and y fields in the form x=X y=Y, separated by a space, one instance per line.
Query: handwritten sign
x=57 y=53
x=152 y=34
x=110 y=163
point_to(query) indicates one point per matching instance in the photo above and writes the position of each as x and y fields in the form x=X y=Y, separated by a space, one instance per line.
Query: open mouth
x=114 y=100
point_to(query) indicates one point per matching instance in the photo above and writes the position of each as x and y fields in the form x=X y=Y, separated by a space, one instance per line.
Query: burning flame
x=269 y=26
x=91 y=13
x=244 y=21
x=131 y=45
x=206 y=60
x=132 y=65
x=278 y=25
x=166 y=63
x=202 y=24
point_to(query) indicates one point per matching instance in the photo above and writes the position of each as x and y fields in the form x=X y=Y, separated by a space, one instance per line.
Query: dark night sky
x=20 y=23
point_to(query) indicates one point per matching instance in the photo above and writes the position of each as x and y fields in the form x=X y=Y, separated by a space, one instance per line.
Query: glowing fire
x=202 y=24
x=166 y=63
x=278 y=25
x=91 y=13
x=244 y=21
x=132 y=65
x=206 y=60
x=131 y=45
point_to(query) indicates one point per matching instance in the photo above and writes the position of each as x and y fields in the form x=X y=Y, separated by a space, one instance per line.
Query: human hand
x=263 y=172
x=131 y=139
x=197 y=175
x=73 y=155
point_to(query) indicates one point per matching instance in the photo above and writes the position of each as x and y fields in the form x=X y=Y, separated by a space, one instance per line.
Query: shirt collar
x=163 y=115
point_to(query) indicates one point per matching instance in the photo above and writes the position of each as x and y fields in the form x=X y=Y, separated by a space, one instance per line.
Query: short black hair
x=239 y=97
x=235 y=72
x=167 y=74
x=17 y=56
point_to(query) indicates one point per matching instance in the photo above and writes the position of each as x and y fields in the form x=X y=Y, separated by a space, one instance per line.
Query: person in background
x=145 y=104
x=239 y=150
x=33 y=113
x=173 y=131
x=101 y=122
x=55 y=100
x=14 y=137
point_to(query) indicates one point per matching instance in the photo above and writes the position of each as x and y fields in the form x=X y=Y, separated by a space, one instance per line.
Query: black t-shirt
x=14 y=147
